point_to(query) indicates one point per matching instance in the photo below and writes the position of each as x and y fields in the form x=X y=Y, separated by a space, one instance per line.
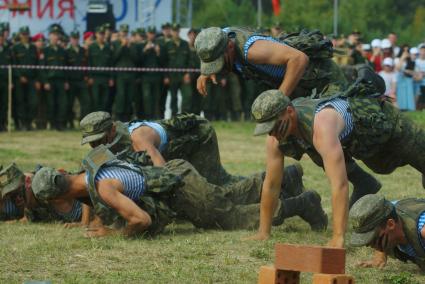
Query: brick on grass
x=333 y=279
x=313 y=259
x=270 y=275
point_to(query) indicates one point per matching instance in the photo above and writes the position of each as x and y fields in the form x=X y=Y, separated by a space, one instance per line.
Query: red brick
x=333 y=279
x=313 y=259
x=270 y=275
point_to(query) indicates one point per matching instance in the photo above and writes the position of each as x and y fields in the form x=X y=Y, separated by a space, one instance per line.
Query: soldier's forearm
x=294 y=71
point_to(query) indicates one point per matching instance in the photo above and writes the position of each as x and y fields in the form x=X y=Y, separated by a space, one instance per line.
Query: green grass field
x=183 y=254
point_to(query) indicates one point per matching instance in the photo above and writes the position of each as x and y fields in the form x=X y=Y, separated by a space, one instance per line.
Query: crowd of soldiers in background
x=56 y=98
x=401 y=67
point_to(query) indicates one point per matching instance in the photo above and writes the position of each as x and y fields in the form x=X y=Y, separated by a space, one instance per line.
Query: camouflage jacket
x=409 y=211
x=159 y=182
x=375 y=123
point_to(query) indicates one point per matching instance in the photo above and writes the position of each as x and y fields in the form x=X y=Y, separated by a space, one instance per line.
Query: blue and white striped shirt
x=133 y=182
x=155 y=126
x=275 y=71
x=408 y=249
x=9 y=209
x=343 y=108
x=74 y=215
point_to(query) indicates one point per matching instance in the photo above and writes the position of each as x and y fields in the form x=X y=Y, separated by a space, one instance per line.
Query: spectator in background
x=392 y=37
x=405 y=70
x=386 y=48
x=414 y=53
x=366 y=51
x=376 y=57
x=420 y=75
x=390 y=78
x=88 y=40
x=357 y=55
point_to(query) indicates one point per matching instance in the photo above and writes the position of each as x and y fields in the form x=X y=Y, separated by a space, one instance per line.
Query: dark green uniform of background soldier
x=125 y=56
x=177 y=52
x=194 y=62
x=5 y=59
x=55 y=81
x=76 y=56
x=100 y=55
x=25 y=53
x=162 y=41
x=151 y=81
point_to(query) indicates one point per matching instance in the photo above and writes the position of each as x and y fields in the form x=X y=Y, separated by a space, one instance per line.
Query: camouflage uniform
x=11 y=179
x=371 y=211
x=382 y=137
x=178 y=190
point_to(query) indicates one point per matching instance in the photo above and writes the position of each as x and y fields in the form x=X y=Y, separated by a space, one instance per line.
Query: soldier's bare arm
x=267 y=52
x=328 y=124
x=201 y=83
x=137 y=219
x=146 y=139
x=271 y=188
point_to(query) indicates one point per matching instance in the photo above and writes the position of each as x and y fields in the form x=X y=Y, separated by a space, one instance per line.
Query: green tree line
x=374 y=18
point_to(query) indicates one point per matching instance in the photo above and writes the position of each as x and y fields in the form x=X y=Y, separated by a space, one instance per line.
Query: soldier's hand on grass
x=47 y=87
x=379 y=260
x=95 y=232
x=73 y=225
x=201 y=83
x=257 y=237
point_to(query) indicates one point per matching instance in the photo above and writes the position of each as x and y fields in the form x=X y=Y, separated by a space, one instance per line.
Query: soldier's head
x=88 y=38
x=12 y=185
x=124 y=29
x=175 y=31
x=151 y=33
x=216 y=49
x=100 y=34
x=6 y=29
x=2 y=38
x=108 y=30
x=24 y=34
x=166 y=30
x=55 y=32
x=375 y=223
x=422 y=51
x=274 y=114
x=74 y=37
x=48 y=184
x=98 y=128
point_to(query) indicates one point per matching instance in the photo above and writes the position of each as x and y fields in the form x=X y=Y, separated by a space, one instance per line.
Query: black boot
x=308 y=206
x=292 y=184
x=363 y=182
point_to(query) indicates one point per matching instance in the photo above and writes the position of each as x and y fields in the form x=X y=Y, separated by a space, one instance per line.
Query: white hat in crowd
x=366 y=46
x=414 y=50
x=376 y=43
x=385 y=43
x=388 y=61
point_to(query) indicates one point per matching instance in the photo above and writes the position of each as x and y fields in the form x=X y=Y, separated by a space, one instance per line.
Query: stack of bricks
x=327 y=264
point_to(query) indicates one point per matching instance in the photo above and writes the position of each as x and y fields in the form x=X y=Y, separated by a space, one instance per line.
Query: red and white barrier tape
x=116 y=69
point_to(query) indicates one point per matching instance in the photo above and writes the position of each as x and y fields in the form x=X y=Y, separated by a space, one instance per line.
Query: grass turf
x=183 y=254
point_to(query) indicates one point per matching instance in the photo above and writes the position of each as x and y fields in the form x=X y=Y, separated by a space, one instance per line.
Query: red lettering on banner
x=66 y=6
x=42 y=10
x=5 y=5
x=27 y=3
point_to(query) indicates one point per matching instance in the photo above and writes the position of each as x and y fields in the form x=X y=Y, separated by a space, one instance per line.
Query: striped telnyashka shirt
x=133 y=182
x=274 y=71
x=155 y=126
x=74 y=215
x=343 y=108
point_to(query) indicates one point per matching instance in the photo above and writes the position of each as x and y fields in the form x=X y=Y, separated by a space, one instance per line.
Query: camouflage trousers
x=193 y=139
x=206 y=205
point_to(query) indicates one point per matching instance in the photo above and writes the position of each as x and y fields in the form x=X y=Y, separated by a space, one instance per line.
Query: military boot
x=308 y=206
x=292 y=184
x=363 y=182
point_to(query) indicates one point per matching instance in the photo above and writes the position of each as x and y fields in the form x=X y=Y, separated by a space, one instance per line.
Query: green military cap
x=210 y=45
x=175 y=26
x=107 y=26
x=266 y=109
x=166 y=26
x=100 y=29
x=95 y=126
x=48 y=183
x=55 y=28
x=366 y=215
x=75 y=34
x=11 y=179
x=124 y=28
x=141 y=31
x=24 y=30
x=151 y=29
